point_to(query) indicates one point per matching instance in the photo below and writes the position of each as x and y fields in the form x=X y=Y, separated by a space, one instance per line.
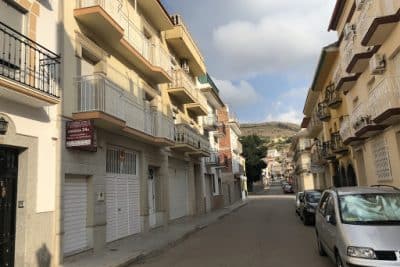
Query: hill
x=270 y=129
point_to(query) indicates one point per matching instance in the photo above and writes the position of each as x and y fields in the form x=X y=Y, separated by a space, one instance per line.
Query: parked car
x=284 y=183
x=299 y=198
x=288 y=189
x=360 y=226
x=308 y=205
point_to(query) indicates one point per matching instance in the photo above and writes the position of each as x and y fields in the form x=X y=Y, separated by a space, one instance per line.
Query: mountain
x=270 y=129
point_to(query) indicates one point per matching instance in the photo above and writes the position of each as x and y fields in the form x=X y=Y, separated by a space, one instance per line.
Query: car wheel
x=321 y=250
x=339 y=262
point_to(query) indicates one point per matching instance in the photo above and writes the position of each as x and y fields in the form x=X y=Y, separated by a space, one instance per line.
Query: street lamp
x=3 y=126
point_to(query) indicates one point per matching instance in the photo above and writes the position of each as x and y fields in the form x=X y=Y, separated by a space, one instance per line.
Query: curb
x=158 y=251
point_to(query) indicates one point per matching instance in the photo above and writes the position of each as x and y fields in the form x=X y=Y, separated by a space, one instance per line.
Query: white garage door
x=75 y=215
x=122 y=194
x=178 y=190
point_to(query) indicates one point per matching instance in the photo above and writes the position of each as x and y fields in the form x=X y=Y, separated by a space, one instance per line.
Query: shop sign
x=81 y=135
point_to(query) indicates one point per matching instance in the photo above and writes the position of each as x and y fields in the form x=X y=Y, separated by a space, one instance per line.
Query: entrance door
x=152 y=197
x=122 y=194
x=8 y=199
x=178 y=187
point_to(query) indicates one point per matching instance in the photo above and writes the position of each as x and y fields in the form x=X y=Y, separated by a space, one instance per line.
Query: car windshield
x=313 y=197
x=371 y=208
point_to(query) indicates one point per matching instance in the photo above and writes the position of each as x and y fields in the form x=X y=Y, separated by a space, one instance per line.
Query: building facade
x=355 y=96
x=29 y=131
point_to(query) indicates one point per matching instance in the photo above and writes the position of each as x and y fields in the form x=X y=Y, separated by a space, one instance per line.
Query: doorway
x=8 y=199
x=152 y=197
x=351 y=176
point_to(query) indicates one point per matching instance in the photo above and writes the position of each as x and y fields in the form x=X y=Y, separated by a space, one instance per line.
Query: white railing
x=210 y=120
x=184 y=134
x=346 y=129
x=180 y=79
x=384 y=95
x=359 y=117
x=97 y=93
x=375 y=9
x=155 y=54
x=213 y=158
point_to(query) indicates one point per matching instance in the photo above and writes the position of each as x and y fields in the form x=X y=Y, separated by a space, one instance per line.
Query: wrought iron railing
x=184 y=134
x=323 y=112
x=26 y=62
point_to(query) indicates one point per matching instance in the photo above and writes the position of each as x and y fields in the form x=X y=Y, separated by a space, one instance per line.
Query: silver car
x=360 y=226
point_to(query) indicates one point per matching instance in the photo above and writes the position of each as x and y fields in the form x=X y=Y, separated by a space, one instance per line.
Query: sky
x=262 y=54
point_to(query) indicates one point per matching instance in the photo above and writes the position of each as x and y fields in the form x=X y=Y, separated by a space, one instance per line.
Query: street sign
x=81 y=135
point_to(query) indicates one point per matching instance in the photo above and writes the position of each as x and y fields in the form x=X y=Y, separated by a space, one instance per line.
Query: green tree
x=254 y=150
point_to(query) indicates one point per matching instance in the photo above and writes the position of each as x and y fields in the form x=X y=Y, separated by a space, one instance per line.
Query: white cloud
x=298 y=93
x=238 y=95
x=278 y=42
x=290 y=115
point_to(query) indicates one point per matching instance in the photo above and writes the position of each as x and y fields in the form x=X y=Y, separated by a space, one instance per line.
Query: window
x=324 y=202
x=214 y=189
x=121 y=161
x=330 y=207
x=382 y=161
x=13 y=17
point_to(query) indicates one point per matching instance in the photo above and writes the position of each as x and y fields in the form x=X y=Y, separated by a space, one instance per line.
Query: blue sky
x=261 y=53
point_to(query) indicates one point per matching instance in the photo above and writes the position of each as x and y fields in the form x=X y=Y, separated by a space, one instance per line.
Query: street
x=266 y=232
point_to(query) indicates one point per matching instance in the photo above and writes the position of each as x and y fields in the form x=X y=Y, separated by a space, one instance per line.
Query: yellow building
x=355 y=94
x=132 y=115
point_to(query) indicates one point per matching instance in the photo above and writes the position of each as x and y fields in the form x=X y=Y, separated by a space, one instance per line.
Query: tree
x=253 y=151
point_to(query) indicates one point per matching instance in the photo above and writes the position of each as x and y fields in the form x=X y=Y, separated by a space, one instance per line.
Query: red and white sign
x=81 y=135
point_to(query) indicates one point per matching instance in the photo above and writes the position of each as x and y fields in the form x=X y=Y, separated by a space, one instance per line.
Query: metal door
x=8 y=199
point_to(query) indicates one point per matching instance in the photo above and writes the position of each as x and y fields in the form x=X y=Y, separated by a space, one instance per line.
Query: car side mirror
x=330 y=219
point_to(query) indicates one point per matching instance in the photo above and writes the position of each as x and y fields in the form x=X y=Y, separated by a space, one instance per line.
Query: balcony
x=344 y=81
x=337 y=145
x=334 y=100
x=210 y=122
x=362 y=123
x=183 y=90
x=213 y=159
x=356 y=57
x=221 y=131
x=323 y=112
x=378 y=20
x=183 y=44
x=29 y=72
x=190 y=141
x=347 y=133
x=103 y=21
x=384 y=101
x=326 y=151
x=314 y=126
x=115 y=109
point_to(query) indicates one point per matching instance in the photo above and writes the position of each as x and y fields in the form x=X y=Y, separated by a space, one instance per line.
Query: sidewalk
x=135 y=248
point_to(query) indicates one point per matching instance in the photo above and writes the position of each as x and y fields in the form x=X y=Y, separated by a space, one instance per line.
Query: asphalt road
x=264 y=233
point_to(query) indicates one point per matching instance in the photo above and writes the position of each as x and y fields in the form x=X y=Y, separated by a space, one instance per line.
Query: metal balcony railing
x=28 y=63
x=210 y=121
x=214 y=158
x=360 y=118
x=323 y=112
x=346 y=129
x=153 y=53
x=337 y=145
x=97 y=93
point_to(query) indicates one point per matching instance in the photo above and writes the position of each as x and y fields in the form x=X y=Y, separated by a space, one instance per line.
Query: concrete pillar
x=144 y=199
x=163 y=204
x=191 y=189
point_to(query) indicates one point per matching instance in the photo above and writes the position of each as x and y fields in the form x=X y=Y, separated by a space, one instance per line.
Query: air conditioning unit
x=360 y=4
x=377 y=64
x=176 y=19
x=349 y=31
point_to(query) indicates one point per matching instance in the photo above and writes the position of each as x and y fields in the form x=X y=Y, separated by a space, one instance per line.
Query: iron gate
x=8 y=198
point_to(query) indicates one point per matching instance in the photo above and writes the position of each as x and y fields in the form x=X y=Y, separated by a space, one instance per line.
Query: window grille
x=121 y=161
x=382 y=160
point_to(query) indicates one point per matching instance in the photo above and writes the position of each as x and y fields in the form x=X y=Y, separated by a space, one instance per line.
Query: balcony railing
x=214 y=158
x=184 y=134
x=337 y=145
x=155 y=54
x=323 y=112
x=97 y=93
x=384 y=96
x=210 y=121
x=180 y=79
x=346 y=129
x=372 y=10
x=335 y=99
x=28 y=63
